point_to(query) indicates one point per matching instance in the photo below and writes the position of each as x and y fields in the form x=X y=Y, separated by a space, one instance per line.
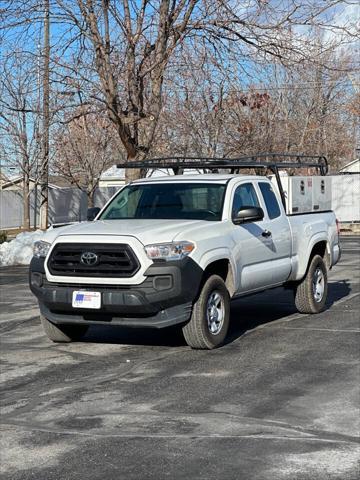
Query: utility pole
x=44 y=170
x=37 y=134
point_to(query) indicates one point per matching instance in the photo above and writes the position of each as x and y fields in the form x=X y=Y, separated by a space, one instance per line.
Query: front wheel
x=62 y=333
x=210 y=317
x=311 y=292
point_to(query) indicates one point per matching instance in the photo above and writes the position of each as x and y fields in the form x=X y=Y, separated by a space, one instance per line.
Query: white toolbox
x=305 y=194
x=322 y=194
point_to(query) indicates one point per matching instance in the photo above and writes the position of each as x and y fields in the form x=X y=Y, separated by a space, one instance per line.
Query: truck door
x=256 y=250
x=279 y=235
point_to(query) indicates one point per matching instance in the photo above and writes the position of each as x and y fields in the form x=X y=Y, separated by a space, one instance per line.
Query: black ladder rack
x=270 y=161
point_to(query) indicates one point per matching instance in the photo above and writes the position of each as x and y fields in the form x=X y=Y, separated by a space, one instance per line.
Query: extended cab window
x=270 y=200
x=244 y=196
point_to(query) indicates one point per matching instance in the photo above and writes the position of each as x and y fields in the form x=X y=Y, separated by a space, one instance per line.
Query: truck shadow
x=251 y=312
x=246 y=314
x=167 y=337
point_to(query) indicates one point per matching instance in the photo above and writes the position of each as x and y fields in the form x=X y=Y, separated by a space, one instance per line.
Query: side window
x=272 y=205
x=244 y=196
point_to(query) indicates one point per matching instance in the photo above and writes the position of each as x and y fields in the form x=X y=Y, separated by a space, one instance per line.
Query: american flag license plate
x=84 y=299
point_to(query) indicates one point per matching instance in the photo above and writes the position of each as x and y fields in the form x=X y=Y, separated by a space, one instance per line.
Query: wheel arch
x=223 y=268
x=318 y=245
x=321 y=248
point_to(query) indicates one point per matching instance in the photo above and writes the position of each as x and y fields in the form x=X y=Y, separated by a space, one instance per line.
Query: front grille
x=113 y=260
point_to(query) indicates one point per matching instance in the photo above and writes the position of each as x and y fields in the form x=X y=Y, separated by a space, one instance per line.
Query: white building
x=112 y=177
x=115 y=177
x=351 y=167
x=17 y=184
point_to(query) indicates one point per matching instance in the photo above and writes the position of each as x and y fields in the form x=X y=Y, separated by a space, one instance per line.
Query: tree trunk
x=132 y=174
x=90 y=199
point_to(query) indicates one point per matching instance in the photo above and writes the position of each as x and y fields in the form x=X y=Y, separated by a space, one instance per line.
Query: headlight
x=41 y=248
x=169 y=251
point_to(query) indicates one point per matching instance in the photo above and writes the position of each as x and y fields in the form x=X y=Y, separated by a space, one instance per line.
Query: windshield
x=187 y=201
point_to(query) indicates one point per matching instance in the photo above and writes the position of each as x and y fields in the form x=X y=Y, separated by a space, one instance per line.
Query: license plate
x=83 y=299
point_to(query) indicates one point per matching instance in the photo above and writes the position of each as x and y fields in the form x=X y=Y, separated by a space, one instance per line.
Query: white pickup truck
x=176 y=250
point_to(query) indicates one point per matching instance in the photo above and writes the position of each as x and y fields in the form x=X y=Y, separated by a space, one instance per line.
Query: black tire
x=211 y=310
x=311 y=292
x=62 y=333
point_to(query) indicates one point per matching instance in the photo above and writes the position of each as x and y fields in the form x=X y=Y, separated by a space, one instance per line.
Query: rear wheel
x=210 y=317
x=62 y=333
x=311 y=292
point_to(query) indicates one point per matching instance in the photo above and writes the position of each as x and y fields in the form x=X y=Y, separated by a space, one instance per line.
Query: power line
x=266 y=89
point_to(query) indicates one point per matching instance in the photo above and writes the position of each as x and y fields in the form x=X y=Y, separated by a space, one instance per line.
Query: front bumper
x=164 y=298
x=164 y=318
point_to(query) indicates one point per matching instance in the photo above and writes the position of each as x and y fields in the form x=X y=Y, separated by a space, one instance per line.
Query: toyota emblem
x=89 y=258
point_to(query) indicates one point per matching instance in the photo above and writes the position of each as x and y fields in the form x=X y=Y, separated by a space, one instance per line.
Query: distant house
x=112 y=177
x=351 y=167
x=3 y=179
x=16 y=184
x=115 y=177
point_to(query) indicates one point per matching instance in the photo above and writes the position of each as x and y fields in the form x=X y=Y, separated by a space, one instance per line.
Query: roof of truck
x=203 y=177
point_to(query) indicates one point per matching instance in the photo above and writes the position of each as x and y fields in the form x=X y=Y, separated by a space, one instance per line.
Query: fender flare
x=221 y=253
x=316 y=238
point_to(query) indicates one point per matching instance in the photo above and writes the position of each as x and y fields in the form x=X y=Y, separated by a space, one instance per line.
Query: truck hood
x=146 y=231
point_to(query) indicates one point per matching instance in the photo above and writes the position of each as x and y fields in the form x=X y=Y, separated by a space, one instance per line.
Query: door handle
x=266 y=233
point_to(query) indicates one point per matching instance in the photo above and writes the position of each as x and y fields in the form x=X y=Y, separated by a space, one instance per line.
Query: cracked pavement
x=279 y=401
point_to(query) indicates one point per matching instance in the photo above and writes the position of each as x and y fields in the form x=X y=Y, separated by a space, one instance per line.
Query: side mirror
x=91 y=213
x=248 y=214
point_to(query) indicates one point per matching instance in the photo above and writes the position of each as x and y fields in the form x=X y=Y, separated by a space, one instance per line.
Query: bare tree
x=133 y=45
x=307 y=108
x=128 y=53
x=20 y=121
x=193 y=117
x=84 y=148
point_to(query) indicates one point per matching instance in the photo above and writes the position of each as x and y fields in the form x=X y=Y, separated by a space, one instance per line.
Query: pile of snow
x=161 y=172
x=114 y=172
x=20 y=250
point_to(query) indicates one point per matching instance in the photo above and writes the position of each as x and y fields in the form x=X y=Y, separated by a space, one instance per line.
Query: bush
x=3 y=236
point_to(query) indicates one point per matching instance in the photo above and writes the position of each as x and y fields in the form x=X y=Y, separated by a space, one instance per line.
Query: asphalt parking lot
x=279 y=401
